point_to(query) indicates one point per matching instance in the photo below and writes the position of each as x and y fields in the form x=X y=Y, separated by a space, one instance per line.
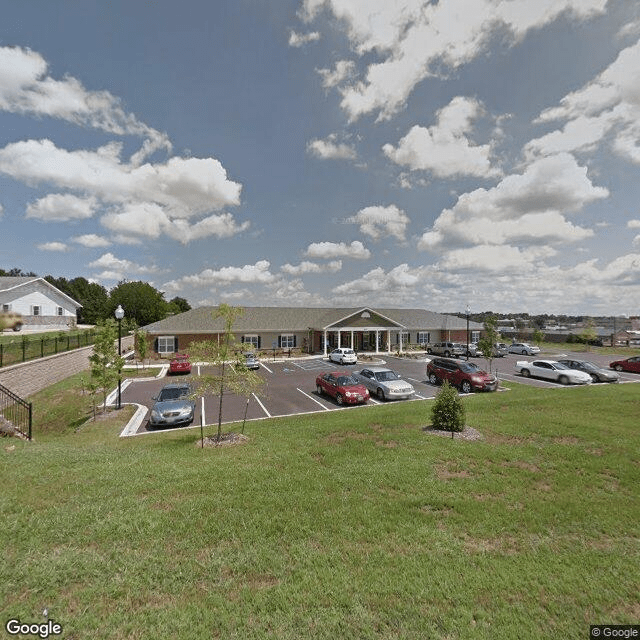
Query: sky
x=387 y=153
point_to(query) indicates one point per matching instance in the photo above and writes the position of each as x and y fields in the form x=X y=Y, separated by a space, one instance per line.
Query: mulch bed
x=226 y=440
x=468 y=433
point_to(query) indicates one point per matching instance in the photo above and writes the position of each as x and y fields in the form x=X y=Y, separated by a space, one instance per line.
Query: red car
x=180 y=364
x=465 y=375
x=630 y=364
x=343 y=387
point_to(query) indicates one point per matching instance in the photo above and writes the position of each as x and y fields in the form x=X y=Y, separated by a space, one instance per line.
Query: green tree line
x=142 y=303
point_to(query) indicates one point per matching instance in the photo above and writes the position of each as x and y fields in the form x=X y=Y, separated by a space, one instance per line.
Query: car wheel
x=429 y=351
x=595 y=378
x=465 y=386
x=319 y=390
x=563 y=380
x=523 y=352
x=342 y=361
x=447 y=354
x=433 y=379
x=380 y=394
x=526 y=373
x=618 y=368
x=339 y=398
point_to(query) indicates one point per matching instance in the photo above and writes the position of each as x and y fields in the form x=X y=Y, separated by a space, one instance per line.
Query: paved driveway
x=290 y=387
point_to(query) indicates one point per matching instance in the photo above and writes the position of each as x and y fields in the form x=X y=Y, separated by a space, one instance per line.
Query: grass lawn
x=342 y=525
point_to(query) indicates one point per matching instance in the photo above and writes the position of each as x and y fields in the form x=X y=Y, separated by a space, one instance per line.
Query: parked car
x=500 y=350
x=523 y=349
x=598 y=374
x=11 y=320
x=630 y=364
x=250 y=361
x=180 y=364
x=473 y=351
x=552 y=370
x=467 y=376
x=343 y=387
x=446 y=349
x=343 y=356
x=384 y=383
x=173 y=406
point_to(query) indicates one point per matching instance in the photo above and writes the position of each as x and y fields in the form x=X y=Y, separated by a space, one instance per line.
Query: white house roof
x=11 y=283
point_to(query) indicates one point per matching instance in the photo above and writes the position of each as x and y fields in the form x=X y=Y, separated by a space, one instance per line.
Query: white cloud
x=525 y=208
x=609 y=106
x=331 y=149
x=300 y=39
x=258 y=273
x=26 y=88
x=378 y=222
x=91 y=240
x=633 y=224
x=53 y=246
x=328 y=250
x=311 y=267
x=119 y=268
x=148 y=200
x=445 y=149
x=343 y=70
x=58 y=207
x=417 y=38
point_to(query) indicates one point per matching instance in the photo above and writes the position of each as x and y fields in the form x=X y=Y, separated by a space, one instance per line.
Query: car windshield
x=384 y=376
x=347 y=381
x=589 y=366
x=469 y=367
x=559 y=365
x=174 y=393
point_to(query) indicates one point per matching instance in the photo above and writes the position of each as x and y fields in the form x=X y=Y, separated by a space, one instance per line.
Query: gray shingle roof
x=285 y=319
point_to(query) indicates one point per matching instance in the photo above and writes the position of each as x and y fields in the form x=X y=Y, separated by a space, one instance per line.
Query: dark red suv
x=467 y=376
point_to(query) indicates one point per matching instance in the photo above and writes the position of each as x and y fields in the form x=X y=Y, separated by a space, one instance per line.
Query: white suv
x=447 y=349
x=343 y=356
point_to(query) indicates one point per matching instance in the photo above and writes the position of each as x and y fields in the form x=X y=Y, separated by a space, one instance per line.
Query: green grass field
x=346 y=525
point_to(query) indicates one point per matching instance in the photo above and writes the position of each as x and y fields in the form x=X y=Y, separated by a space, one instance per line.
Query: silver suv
x=446 y=349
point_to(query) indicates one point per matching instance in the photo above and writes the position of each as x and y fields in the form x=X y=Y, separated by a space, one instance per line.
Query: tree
x=588 y=334
x=178 y=305
x=538 y=336
x=447 y=412
x=141 y=302
x=92 y=296
x=488 y=341
x=141 y=345
x=230 y=372
x=105 y=363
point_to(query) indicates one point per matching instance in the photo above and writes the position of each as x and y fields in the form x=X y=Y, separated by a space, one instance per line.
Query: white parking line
x=312 y=398
x=202 y=410
x=260 y=403
x=265 y=366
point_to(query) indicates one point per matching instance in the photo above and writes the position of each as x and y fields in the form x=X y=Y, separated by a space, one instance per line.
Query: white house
x=41 y=305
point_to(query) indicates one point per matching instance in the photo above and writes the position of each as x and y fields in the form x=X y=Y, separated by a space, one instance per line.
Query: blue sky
x=328 y=152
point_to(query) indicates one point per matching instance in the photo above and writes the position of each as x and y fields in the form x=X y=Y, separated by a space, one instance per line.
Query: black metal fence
x=15 y=412
x=30 y=347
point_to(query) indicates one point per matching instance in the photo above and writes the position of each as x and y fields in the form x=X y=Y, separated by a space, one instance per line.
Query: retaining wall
x=27 y=378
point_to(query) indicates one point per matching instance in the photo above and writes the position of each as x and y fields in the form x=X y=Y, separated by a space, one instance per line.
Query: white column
x=325 y=342
x=400 y=333
x=352 y=339
x=339 y=338
x=377 y=340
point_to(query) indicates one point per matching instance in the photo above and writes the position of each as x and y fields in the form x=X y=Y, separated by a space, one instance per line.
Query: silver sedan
x=384 y=383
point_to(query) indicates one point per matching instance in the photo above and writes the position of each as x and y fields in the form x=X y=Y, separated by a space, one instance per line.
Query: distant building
x=41 y=305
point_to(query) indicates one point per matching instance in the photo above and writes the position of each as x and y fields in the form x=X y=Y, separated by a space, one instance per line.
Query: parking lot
x=290 y=386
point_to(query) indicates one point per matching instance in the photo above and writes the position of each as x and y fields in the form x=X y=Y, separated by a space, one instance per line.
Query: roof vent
x=365 y=314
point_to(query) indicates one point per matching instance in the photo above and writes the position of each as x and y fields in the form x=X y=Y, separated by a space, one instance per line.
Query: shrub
x=447 y=413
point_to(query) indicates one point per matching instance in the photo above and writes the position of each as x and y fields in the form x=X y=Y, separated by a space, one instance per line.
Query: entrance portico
x=365 y=330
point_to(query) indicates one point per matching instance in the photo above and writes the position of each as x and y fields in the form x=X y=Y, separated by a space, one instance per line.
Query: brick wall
x=27 y=378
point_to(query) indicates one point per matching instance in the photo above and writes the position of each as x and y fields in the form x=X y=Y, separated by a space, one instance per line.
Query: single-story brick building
x=312 y=330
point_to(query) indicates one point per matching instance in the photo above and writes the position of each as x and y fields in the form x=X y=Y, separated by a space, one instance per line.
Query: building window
x=60 y=311
x=404 y=336
x=6 y=307
x=252 y=340
x=287 y=341
x=166 y=344
x=36 y=310
x=475 y=336
x=424 y=337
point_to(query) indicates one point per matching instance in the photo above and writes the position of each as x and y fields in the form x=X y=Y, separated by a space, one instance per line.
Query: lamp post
x=119 y=315
x=468 y=312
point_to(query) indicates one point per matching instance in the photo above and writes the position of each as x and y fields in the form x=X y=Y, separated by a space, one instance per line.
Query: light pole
x=468 y=312
x=119 y=315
